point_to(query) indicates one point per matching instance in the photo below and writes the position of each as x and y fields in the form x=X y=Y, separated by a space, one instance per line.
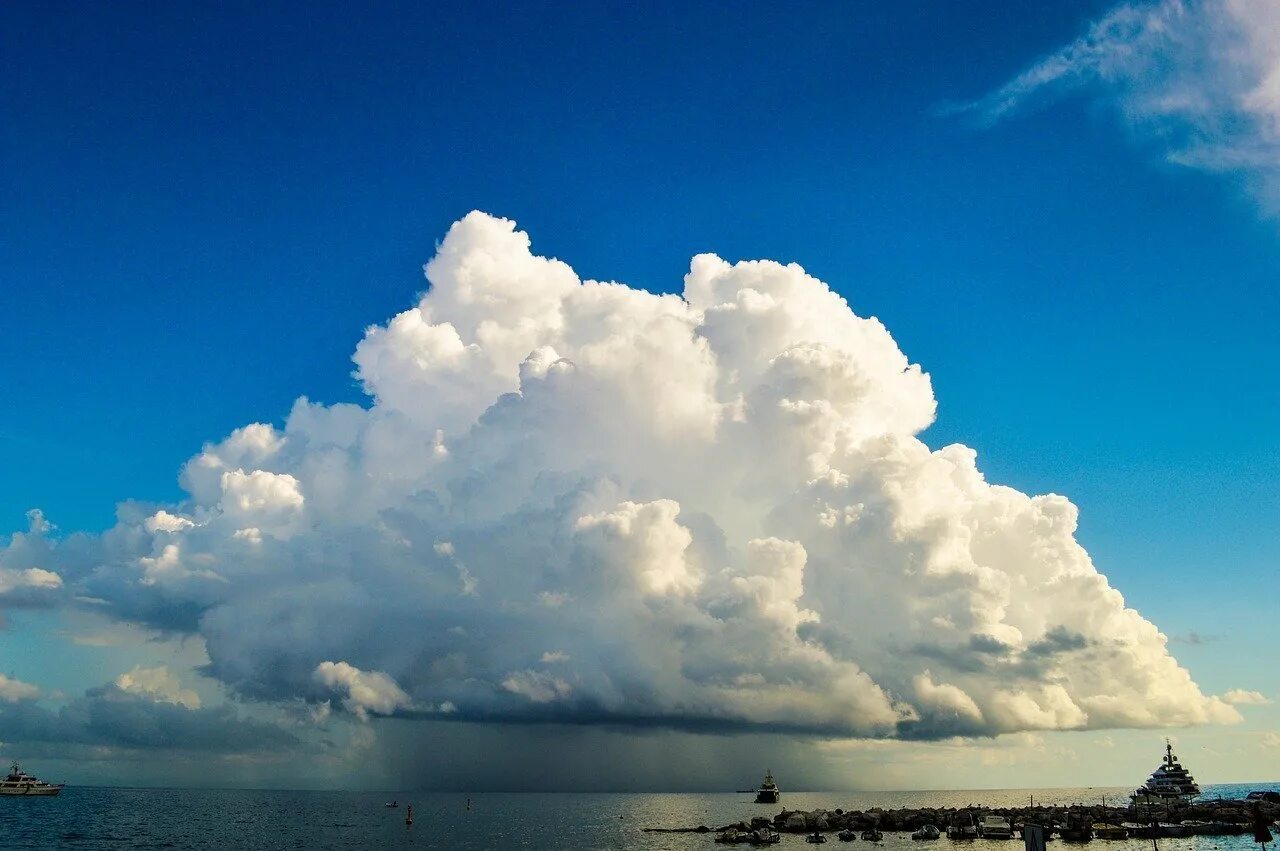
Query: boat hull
x=30 y=791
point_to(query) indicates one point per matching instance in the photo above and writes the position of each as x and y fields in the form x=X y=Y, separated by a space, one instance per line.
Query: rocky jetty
x=1226 y=816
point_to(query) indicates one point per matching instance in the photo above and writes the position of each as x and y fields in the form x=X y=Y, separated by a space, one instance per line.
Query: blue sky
x=201 y=210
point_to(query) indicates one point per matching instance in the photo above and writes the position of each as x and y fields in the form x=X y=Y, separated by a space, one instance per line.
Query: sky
x=969 y=481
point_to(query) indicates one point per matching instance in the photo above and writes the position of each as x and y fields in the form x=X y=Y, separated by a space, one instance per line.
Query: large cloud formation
x=1198 y=79
x=580 y=502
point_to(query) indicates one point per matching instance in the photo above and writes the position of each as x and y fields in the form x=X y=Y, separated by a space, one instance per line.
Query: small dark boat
x=1078 y=828
x=1110 y=831
x=927 y=833
x=962 y=827
x=846 y=835
x=872 y=835
x=815 y=838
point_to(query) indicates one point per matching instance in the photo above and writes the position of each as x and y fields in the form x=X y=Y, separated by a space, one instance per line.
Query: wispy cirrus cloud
x=1200 y=81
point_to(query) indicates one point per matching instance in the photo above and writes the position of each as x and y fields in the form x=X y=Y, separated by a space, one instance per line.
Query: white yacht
x=768 y=793
x=1169 y=783
x=20 y=783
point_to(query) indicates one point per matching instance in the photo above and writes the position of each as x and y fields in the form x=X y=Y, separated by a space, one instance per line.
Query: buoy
x=408 y=815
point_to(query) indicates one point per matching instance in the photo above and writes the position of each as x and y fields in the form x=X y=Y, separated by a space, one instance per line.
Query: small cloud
x=12 y=691
x=93 y=640
x=1271 y=740
x=552 y=656
x=367 y=691
x=537 y=686
x=1193 y=639
x=157 y=684
x=1241 y=697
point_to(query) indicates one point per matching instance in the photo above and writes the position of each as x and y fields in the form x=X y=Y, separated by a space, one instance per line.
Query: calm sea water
x=92 y=818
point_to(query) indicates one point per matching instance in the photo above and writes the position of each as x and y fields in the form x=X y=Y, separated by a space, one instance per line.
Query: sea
x=114 y=818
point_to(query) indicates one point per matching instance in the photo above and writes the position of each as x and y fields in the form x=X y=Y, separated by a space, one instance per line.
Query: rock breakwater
x=1219 y=816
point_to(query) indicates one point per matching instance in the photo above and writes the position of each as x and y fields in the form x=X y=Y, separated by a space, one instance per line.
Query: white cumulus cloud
x=367 y=691
x=1243 y=697
x=158 y=684
x=714 y=507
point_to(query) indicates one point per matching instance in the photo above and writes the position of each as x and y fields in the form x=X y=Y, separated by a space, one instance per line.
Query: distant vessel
x=1170 y=783
x=20 y=783
x=768 y=792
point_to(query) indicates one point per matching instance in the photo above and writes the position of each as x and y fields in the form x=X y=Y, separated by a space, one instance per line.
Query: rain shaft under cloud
x=575 y=501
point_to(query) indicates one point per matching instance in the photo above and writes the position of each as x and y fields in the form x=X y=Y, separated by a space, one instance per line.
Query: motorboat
x=391 y=805
x=768 y=793
x=1078 y=827
x=871 y=834
x=846 y=835
x=1105 y=830
x=962 y=827
x=815 y=838
x=763 y=836
x=1169 y=783
x=20 y=783
x=995 y=827
x=927 y=833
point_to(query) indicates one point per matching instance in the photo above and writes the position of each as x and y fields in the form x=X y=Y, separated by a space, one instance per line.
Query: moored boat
x=927 y=833
x=1077 y=828
x=962 y=827
x=846 y=835
x=20 y=783
x=871 y=834
x=995 y=827
x=1109 y=831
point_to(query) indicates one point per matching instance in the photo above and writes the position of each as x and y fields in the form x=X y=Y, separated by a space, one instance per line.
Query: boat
x=763 y=836
x=846 y=835
x=1078 y=827
x=1105 y=830
x=871 y=834
x=995 y=827
x=20 y=783
x=962 y=827
x=1169 y=783
x=815 y=838
x=391 y=805
x=1140 y=831
x=768 y=793
x=927 y=833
